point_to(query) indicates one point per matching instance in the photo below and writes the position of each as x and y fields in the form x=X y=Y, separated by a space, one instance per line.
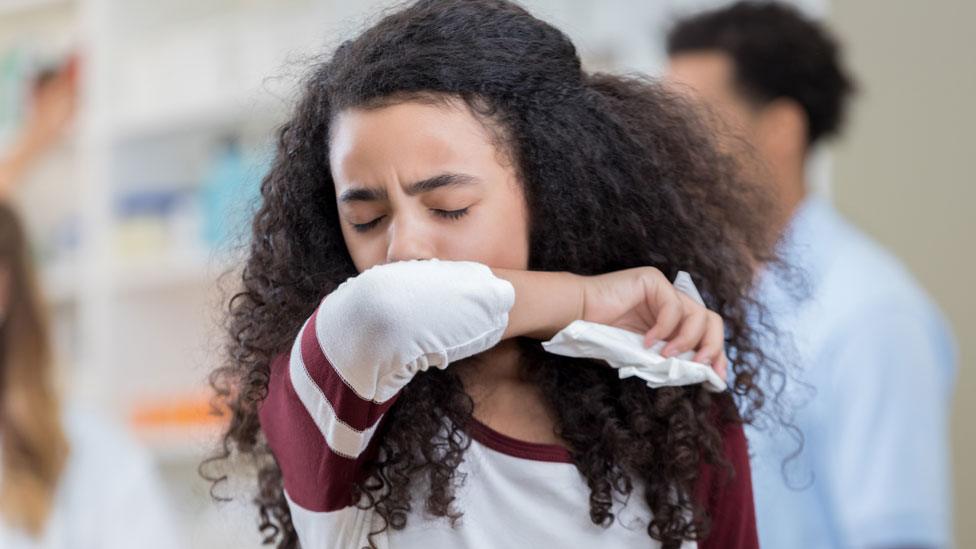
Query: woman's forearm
x=545 y=302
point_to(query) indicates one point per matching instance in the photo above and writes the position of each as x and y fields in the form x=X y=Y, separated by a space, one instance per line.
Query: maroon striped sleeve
x=315 y=477
x=727 y=497
x=350 y=408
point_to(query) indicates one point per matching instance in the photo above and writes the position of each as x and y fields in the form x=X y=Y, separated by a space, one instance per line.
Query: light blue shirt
x=872 y=383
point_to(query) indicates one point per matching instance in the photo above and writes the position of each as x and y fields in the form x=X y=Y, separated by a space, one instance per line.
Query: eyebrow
x=368 y=194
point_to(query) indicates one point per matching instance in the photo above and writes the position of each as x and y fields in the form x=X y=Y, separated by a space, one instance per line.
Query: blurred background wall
x=139 y=209
x=904 y=172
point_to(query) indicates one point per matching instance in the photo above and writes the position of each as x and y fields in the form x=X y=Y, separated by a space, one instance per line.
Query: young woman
x=452 y=190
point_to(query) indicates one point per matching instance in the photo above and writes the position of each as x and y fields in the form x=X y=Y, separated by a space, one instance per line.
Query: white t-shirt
x=514 y=494
x=109 y=495
x=364 y=343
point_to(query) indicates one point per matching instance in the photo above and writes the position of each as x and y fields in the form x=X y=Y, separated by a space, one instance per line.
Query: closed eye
x=451 y=214
x=363 y=227
x=446 y=214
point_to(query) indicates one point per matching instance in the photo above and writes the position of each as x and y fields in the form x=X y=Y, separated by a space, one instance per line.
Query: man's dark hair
x=778 y=53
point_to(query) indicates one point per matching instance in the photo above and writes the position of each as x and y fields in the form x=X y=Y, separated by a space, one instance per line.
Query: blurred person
x=53 y=106
x=877 y=360
x=69 y=479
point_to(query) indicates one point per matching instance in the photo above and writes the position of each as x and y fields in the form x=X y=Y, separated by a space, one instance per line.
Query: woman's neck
x=502 y=399
x=499 y=364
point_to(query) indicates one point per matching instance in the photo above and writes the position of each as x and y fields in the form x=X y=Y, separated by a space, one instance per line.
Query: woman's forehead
x=412 y=139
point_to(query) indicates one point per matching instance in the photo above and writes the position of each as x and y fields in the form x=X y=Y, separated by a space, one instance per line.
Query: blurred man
x=873 y=469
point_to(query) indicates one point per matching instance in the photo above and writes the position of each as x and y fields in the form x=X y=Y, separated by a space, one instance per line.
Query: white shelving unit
x=165 y=85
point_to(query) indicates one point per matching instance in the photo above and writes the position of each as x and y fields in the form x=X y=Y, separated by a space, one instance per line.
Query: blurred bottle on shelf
x=229 y=194
x=205 y=213
x=156 y=222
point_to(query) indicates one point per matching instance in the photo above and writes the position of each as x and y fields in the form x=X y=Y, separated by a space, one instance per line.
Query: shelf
x=156 y=273
x=181 y=444
x=62 y=283
x=227 y=116
x=17 y=7
x=178 y=428
x=211 y=73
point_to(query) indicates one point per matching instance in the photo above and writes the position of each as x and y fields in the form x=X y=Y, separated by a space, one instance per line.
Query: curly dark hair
x=617 y=173
x=777 y=52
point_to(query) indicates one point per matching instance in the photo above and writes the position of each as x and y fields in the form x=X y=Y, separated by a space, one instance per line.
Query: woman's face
x=420 y=181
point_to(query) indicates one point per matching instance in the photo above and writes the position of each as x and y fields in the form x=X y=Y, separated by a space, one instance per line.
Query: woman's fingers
x=713 y=341
x=692 y=330
x=702 y=330
x=678 y=318
x=721 y=366
x=666 y=302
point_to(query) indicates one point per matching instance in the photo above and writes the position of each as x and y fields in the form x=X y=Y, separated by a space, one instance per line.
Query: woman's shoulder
x=725 y=491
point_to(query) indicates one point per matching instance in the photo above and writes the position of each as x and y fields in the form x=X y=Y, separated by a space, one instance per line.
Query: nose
x=408 y=240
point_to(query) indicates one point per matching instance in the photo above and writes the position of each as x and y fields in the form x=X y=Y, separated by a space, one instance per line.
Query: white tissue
x=624 y=350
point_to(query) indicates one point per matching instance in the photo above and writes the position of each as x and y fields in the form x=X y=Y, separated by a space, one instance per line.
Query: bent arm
x=363 y=344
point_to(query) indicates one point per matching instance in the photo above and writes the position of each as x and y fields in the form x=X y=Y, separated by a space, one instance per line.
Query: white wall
x=904 y=172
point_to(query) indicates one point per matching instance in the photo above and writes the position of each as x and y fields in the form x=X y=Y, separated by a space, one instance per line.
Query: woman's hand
x=642 y=300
